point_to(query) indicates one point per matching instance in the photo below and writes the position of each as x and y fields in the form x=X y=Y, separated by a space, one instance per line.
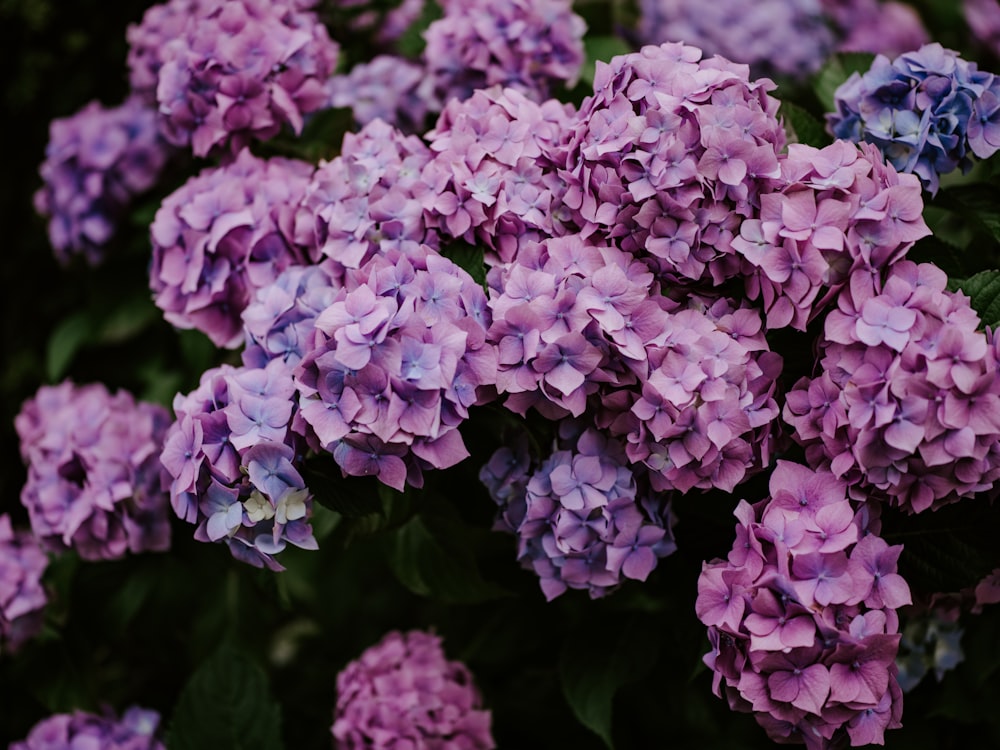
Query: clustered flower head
x=387 y=88
x=925 y=110
x=403 y=692
x=802 y=615
x=890 y=28
x=834 y=211
x=230 y=71
x=93 y=471
x=231 y=463
x=22 y=596
x=368 y=200
x=221 y=236
x=96 y=162
x=494 y=180
x=135 y=730
x=400 y=356
x=906 y=405
x=983 y=18
x=582 y=518
x=670 y=154
x=529 y=45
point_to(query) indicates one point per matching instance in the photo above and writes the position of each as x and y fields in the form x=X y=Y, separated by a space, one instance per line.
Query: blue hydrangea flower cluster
x=22 y=596
x=905 y=406
x=96 y=162
x=925 y=110
x=404 y=692
x=135 y=730
x=93 y=471
x=231 y=463
x=222 y=235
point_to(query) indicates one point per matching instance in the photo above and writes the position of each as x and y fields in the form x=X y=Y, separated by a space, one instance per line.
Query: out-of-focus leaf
x=600 y=48
x=411 y=44
x=984 y=295
x=128 y=318
x=979 y=203
x=68 y=338
x=803 y=126
x=837 y=70
x=351 y=497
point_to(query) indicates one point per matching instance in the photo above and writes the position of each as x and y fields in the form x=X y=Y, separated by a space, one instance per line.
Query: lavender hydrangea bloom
x=906 y=407
x=22 y=596
x=135 y=730
x=93 y=475
x=403 y=692
x=802 y=615
x=834 y=211
x=221 y=236
x=96 y=162
x=400 y=357
x=531 y=46
x=925 y=110
x=231 y=71
x=584 y=519
x=231 y=463
x=890 y=28
x=670 y=154
x=983 y=18
x=387 y=88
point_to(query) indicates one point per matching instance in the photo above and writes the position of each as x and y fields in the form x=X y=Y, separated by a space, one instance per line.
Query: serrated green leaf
x=600 y=49
x=595 y=663
x=983 y=290
x=226 y=704
x=838 y=69
x=803 y=127
x=68 y=338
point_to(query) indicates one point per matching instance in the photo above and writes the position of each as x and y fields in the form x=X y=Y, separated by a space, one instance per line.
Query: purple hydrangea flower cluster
x=890 y=28
x=370 y=199
x=400 y=357
x=529 y=45
x=22 y=596
x=403 y=692
x=221 y=236
x=670 y=154
x=582 y=518
x=983 y=18
x=96 y=162
x=834 y=211
x=384 y=22
x=387 y=88
x=925 y=110
x=906 y=406
x=494 y=177
x=135 y=730
x=802 y=615
x=93 y=475
x=231 y=463
x=230 y=71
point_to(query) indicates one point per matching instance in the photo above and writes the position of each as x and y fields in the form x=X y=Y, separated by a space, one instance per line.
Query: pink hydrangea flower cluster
x=400 y=356
x=529 y=45
x=493 y=180
x=388 y=88
x=22 y=596
x=221 y=236
x=403 y=692
x=230 y=71
x=802 y=615
x=231 y=463
x=135 y=730
x=670 y=154
x=582 y=517
x=369 y=199
x=96 y=162
x=906 y=406
x=93 y=475
x=834 y=211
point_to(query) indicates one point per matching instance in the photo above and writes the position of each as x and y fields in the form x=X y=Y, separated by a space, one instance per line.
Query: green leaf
x=837 y=70
x=596 y=662
x=69 y=337
x=470 y=259
x=984 y=295
x=127 y=319
x=351 y=497
x=803 y=127
x=226 y=704
x=979 y=203
x=411 y=44
x=600 y=48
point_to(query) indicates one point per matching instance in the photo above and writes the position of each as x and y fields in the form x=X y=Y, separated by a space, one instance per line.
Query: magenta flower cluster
x=834 y=211
x=802 y=615
x=93 y=471
x=135 y=730
x=22 y=596
x=221 y=236
x=669 y=155
x=926 y=111
x=404 y=692
x=96 y=162
x=231 y=462
x=529 y=45
x=227 y=72
x=582 y=517
x=400 y=356
x=906 y=404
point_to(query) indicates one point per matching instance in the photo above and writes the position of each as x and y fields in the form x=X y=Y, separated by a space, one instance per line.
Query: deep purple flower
x=135 y=730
